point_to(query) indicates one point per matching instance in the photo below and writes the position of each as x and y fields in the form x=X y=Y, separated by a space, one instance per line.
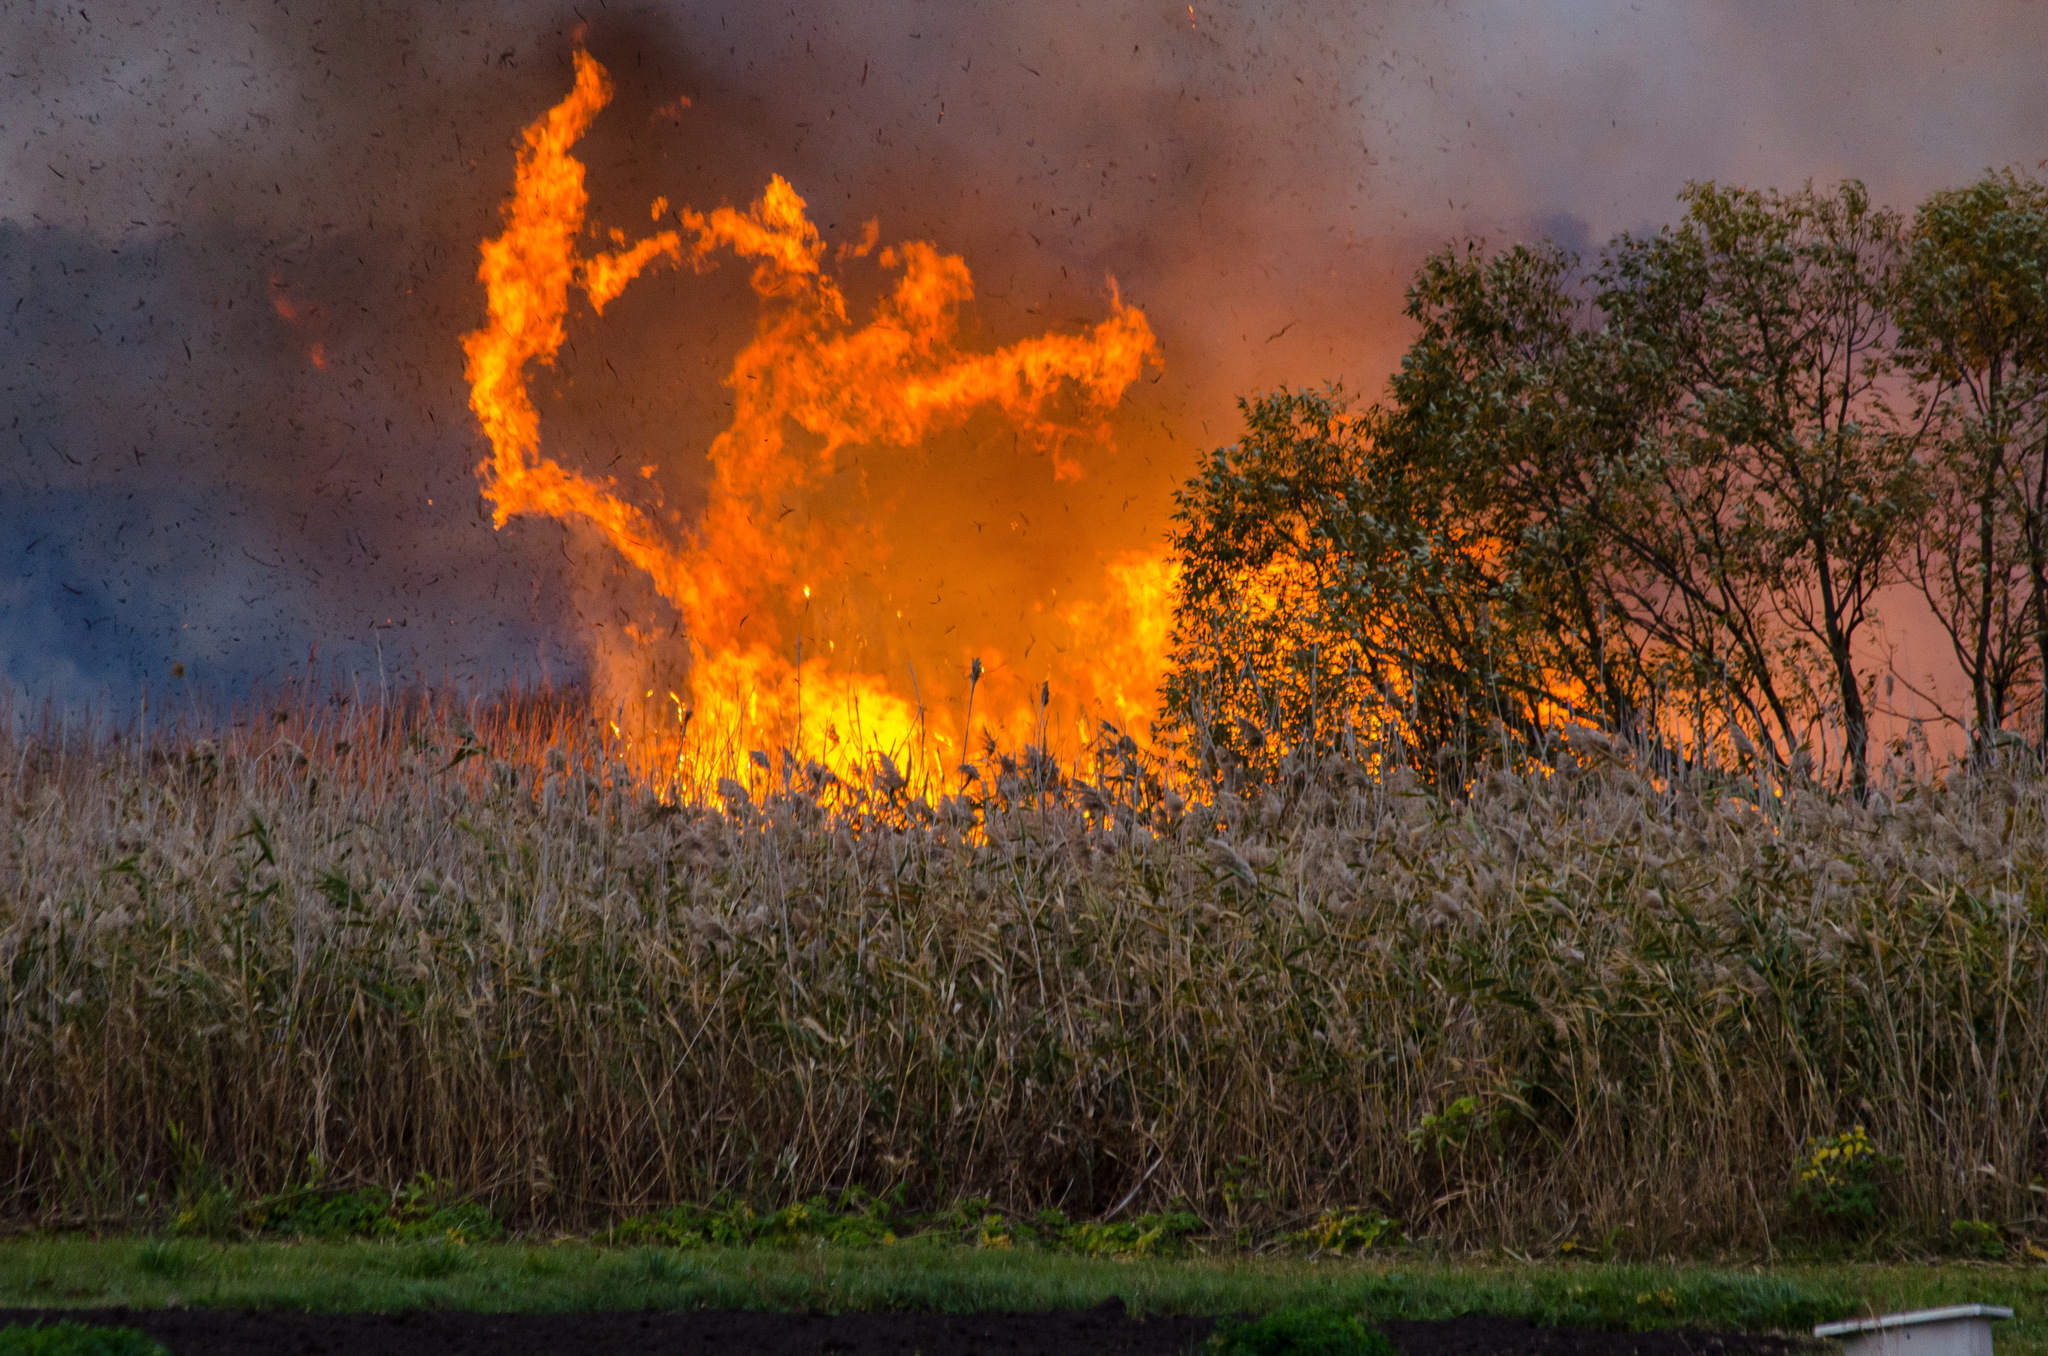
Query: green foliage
x=1163 y=1235
x=858 y=1219
x=1298 y=1332
x=422 y=1209
x=1659 y=494
x=570 y=1276
x=1976 y=1238
x=75 y=1339
x=1771 y=486
x=216 y=1212
x=1602 y=1251
x=436 y=1259
x=658 y=1266
x=852 y=1218
x=1974 y=296
x=157 y=1258
x=204 y=1205
x=1345 y=1232
x=1842 y=1179
x=1973 y=318
x=1451 y=1128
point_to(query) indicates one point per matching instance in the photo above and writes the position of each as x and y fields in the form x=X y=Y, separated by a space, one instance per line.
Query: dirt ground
x=1107 y=1330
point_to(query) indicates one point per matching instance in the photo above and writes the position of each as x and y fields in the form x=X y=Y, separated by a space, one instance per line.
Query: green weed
x=1162 y=1235
x=1842 y=1179
x=1343 y=1232
x=422 y=1209
x=1298 y=1332
x=75 y=1339
x=1976 y=1238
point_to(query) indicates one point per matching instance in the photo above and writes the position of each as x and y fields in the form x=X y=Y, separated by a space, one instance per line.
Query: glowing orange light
x=809 y=386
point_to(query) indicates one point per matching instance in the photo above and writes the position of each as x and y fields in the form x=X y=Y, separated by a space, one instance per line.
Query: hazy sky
x=194 y=197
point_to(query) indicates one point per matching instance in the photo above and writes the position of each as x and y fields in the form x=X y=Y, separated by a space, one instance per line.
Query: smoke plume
x=238 y=248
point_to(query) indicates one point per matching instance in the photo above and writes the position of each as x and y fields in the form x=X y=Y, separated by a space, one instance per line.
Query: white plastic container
x=1961 y=1330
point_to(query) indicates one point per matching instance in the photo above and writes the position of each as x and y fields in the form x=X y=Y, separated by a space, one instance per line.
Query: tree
x=1973 y=312
x=1769 y=493
x=1504 y=423
x=1665 y=491
x=1270 y=534
x=1418 y=573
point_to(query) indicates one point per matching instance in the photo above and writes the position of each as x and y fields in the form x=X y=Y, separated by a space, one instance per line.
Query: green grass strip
x=348 y=1276
x=74 y=1339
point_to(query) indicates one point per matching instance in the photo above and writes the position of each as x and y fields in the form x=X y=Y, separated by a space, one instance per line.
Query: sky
x=238 y=251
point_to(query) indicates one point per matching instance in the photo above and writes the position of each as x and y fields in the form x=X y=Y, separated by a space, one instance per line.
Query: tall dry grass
x=472 y=943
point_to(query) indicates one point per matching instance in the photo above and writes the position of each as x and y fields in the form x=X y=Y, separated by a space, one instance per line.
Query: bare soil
x=1106 y=1330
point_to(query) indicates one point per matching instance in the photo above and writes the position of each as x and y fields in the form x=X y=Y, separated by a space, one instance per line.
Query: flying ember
x=790 y=641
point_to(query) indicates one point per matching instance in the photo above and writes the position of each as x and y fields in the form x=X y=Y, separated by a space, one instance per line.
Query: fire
x=764 y=663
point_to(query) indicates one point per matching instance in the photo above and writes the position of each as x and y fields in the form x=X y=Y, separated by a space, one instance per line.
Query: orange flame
x=807 y=387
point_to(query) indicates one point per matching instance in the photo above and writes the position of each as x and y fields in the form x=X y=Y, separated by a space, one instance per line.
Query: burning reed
x=361 y=944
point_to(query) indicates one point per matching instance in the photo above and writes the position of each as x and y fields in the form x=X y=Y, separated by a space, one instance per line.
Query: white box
x=1961 y=1330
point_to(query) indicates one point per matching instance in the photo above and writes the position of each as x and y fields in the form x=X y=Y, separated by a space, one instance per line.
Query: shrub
x=1348 y=1231
x=421 y=1209
x=1976 y=1238
x=852 y=1218
x=1299 y=1332
x=75 y=1339
x=1162 y=1235
x=1841 y=1179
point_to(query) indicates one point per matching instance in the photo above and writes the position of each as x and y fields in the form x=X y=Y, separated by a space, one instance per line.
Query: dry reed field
x=353 y=943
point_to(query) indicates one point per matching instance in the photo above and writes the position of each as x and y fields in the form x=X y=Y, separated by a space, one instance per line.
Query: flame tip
x=891 y=382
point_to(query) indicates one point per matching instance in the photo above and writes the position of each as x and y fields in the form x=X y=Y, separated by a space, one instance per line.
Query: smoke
x=238 y=246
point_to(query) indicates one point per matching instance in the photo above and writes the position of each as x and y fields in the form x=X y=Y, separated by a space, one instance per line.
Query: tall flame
x=806 y=388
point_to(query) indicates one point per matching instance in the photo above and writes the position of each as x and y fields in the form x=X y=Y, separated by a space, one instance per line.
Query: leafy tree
x=1505 y=421
x=1973 y=313
x=1420 y=573
x=1674 y=484
x=1274 y=534
x=1771 y=491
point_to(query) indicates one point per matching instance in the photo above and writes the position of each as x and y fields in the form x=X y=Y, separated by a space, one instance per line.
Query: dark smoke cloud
x=193 y=199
